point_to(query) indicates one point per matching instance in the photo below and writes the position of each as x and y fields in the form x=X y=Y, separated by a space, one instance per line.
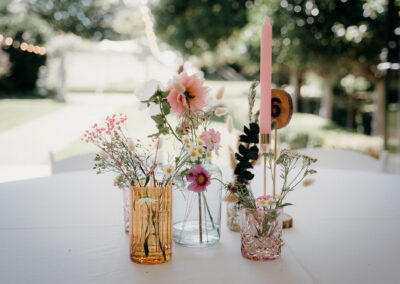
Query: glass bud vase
x=233 y=216
x=150 y=224
x=197 y=216
x=261 y=232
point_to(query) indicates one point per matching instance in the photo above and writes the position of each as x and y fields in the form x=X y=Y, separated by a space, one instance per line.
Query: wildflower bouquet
x=134 y=162
x=288 y=161
x=137 y=167
x=261 y=218
x=183 y=111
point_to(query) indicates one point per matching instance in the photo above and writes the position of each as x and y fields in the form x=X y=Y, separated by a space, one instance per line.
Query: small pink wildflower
x=212 y=139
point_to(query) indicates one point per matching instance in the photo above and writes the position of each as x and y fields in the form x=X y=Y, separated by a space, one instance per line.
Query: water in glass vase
x=197 y=216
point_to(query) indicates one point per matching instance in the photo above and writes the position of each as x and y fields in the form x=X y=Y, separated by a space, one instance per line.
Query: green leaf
x=158 y=119
x=286 y=204
x=166 y=108
x=164 y=94
x=147 y=180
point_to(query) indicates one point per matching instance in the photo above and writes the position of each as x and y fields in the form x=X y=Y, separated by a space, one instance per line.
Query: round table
x=67 y=228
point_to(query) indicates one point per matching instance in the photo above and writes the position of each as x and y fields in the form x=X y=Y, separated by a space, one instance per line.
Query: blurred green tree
x=331 y=38
x=90 y=19
x=22 y=27
x=197 y=26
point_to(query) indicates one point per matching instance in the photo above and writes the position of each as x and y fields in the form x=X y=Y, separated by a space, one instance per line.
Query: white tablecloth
x=68 y=229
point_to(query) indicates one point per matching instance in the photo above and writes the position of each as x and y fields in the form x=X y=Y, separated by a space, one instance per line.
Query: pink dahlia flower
x=199 y=177
x=186 y=92
x=212 y=139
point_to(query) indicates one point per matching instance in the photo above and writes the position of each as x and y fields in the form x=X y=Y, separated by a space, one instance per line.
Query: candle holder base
x=287 y=221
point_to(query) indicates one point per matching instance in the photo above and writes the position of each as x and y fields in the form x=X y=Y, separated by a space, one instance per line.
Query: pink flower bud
x=220 y=111
x=229 y=124
x=131 y=145
x=220 y=93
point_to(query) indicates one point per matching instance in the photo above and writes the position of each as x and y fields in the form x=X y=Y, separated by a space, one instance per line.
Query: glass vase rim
x=252 y=210
x=149 y=185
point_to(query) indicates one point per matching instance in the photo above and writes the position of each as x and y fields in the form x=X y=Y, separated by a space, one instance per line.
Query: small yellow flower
x=186 y=140
x=209 y=155
x=201 y=143
x=270 y=202
x=200 y=150
x=280 y=197
x=193 y=155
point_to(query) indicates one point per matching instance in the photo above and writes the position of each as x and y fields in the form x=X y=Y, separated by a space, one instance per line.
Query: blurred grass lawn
x=305 y=130
x=14 y=112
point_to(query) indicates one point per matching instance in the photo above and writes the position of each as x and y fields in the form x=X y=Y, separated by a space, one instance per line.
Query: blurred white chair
x=82 y=162
x=344 y=159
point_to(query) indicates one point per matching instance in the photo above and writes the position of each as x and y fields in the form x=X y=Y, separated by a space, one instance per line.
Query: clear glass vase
x=197 y=216
x=233 y=216
x=150 y=224
x=261 y=232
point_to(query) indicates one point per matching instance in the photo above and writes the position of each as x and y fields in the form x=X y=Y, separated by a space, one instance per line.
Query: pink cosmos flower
x=186 y=92
x=199 y=177
x=212 y=139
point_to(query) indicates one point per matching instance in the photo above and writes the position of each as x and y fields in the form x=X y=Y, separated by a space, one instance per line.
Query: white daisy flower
x=262 y=202
x=188 y=147
x=169 y=170
x=193 y=154
x=186 y=140
x=146 y=200
x=200 y=142
x=201 y=151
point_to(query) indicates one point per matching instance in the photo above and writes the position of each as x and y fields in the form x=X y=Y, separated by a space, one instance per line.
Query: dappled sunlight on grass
x=14 y=112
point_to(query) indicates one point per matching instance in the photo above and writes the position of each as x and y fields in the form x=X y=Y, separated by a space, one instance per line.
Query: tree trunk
x=326 y=106
x=60 y=95
x=350 y=112
x=378 y=117
x=294 y=81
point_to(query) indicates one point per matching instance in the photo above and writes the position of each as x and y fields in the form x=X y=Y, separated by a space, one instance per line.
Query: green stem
x=200 y=229
x=169 y=125
x=209 y=212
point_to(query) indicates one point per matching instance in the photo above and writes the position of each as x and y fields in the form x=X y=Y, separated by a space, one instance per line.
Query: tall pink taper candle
x=265 y=77
x=265 y=81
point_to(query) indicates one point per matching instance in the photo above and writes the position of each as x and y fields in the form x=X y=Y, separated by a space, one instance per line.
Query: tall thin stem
x=275 y=142
x=200 y=228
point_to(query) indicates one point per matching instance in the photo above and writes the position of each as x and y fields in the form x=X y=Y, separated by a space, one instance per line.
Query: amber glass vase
x=151 y=224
